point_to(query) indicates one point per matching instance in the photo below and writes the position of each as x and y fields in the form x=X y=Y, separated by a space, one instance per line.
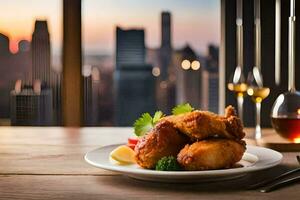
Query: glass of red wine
x=285 y=114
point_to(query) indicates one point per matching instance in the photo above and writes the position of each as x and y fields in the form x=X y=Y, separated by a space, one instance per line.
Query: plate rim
x=147 y=172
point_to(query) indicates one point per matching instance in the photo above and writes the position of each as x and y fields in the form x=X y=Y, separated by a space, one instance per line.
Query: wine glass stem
x=240 y=101
x=257 y=127
x=292 y=46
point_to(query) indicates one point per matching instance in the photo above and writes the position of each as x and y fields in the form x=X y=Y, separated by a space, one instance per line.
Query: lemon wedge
x=123 y=154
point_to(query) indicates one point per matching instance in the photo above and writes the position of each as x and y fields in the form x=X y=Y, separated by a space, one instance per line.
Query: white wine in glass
x=239 y=87
x=258 y=93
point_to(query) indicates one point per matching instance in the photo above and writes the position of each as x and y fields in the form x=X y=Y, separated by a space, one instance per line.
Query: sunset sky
x=196 y=22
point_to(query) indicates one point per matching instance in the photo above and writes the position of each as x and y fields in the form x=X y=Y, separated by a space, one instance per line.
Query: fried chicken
x=162 y=140
x=200 y=125
x=211 y=154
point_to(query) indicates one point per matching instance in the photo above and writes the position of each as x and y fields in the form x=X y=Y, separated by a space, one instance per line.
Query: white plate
x=254 y=159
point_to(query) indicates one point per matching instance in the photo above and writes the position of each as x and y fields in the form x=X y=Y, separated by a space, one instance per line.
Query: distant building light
x=37 y=86
x=186 y=64
x=18 y=86
x=195 y=65
x=156 y=71
x=95 y=74
x=86 y=70
x=163 y=84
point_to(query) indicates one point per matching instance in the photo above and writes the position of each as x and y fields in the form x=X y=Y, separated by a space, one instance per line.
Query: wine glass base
x=257 y=134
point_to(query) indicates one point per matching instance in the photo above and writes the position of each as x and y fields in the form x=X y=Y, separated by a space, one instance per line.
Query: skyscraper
x=5 y=65
x=133 y=80
x=165 y=84
x=55 y=84
x=188 y=73
x=13 y=66
x=210 y=80
x=91 y=78
x=4 y=45
x=40 y=47
x=165 y=29
x=130 y=47
x=31 y=105
x=37 y=102
x=166 y=48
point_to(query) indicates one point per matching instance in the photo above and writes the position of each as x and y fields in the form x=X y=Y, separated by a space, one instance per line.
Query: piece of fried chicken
x=211 y=154
x=199 y=125
x=162 y=140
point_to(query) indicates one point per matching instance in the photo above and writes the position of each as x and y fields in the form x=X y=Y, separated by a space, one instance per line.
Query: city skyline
x=132 y=65
x=32 y=103
x=190 y=22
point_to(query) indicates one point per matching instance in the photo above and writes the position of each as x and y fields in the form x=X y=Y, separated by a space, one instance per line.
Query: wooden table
x=47 y=163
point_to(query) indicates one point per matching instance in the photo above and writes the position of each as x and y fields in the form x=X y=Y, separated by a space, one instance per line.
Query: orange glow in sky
x=18 y=17
x=14 y=40
x=13 y=46
x=196 y=22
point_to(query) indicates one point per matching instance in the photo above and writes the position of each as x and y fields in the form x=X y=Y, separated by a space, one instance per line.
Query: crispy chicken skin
x=162 y=140
x=211 y=154
x=199 y=125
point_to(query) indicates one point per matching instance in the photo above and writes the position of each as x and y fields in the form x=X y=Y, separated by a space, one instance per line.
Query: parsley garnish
x=143 y=124
x=182 y=108
x=157 y=116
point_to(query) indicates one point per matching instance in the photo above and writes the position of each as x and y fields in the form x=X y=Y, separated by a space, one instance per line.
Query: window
x=138 y=56
x=30 y=66
x=149 y=55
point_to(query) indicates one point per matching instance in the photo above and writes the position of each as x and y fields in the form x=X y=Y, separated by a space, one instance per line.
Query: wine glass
x=239 y=87
x=285 y=114
x=258 y=93
x=237 y=81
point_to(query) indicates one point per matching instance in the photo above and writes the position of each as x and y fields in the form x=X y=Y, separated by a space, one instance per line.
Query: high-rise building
x=135 y=93
x=91 y=78
x=166 y=48
x=4 y=45
x=188 y=77
x=5 y=65
x=24 y=58
x=210 y=81
x=130 y=47
x=165 y=29
x=165 y=81
x=30 y=105
x=13 y=66
x=40 y=47
x=133 y=80
x=55 y=85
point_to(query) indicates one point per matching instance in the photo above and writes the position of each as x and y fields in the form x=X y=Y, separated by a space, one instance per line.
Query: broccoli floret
x=168 y=163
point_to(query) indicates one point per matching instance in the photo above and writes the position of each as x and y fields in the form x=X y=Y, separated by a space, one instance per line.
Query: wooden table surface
x=47 y=163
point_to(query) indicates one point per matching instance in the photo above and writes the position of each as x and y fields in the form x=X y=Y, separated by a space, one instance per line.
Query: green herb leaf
x=157 y=116
x=143 y=124
x=182 y=108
